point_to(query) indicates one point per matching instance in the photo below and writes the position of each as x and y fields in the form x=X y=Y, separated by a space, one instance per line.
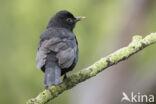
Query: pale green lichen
x=136 y=45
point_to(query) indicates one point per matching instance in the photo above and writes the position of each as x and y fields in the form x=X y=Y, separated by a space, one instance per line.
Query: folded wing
x=64 y=48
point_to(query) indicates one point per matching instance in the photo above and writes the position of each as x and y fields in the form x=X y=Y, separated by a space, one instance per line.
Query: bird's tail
x=52 y=74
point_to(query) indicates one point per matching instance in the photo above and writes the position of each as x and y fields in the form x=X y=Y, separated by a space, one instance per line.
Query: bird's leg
x=65 y=77
x=47 y=88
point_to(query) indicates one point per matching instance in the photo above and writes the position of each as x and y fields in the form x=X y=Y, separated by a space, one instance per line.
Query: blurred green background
x=110 y=25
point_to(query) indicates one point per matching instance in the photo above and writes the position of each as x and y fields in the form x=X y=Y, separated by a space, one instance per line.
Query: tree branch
x=136 y=45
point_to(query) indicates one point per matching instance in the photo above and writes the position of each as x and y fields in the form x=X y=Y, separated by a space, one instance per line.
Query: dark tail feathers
x=52 y=74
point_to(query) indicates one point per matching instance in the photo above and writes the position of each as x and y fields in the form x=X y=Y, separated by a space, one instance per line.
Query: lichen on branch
x=136 y=45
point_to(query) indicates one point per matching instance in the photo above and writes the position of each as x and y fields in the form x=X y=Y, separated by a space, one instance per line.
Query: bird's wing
x=66 y=58
x=52 y=45
x=64 y=48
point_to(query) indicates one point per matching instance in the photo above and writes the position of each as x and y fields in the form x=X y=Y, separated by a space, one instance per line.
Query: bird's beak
x=80 y=18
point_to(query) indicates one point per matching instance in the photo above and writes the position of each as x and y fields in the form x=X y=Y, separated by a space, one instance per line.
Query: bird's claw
x=65 y=77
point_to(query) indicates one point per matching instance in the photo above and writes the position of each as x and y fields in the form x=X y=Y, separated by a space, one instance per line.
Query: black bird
x=58 y=47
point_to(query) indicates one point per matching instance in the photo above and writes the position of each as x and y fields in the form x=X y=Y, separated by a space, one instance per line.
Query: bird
x=57 y=51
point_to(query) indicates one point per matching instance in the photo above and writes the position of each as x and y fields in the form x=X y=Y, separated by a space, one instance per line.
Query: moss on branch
x=136 y=45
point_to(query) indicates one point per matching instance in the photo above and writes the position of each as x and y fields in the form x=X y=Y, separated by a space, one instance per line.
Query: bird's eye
x=69 y=20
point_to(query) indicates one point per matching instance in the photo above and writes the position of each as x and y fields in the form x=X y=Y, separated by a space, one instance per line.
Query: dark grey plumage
x=58 y=48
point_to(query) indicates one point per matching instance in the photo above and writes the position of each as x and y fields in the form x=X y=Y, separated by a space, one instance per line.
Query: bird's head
x=64 y=19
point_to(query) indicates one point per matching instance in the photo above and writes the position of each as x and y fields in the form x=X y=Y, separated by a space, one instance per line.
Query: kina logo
x=137 y=97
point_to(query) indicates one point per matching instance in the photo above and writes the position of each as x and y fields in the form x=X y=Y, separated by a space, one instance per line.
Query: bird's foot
x=47 y=88
x=65 y=77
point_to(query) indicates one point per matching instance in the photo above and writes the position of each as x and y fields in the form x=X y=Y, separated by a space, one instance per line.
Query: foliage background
x=110 y=24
